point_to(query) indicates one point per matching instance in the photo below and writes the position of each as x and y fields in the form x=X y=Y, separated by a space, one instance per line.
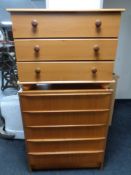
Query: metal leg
x=9 y=72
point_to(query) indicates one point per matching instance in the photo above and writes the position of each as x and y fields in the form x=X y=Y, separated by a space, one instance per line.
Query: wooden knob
x=34 y=23
x=96 y=48
x=98 y=23
x=94 y=70
x=37 y=70
x=37 y=48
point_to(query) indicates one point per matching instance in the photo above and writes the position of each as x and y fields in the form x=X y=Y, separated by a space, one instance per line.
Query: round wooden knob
x=94 y=70
x=34 y=23
x=98 y=23
x=37 y=70
x=37 y=48
x=96 y=48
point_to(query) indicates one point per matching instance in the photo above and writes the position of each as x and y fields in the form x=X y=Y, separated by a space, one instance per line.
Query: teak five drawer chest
x=65 y=61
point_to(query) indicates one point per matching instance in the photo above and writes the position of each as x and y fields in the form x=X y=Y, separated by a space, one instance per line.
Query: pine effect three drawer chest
x=65 y=61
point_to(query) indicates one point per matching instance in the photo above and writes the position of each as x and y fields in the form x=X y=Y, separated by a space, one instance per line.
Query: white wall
x=5 y=16
x=74 y=4
x=123 y=58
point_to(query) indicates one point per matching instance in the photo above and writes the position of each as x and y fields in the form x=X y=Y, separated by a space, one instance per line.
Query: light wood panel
x=80 y=24
x=65 y=10
x=68 y=101
x=78 y=160
x=65 y=117
x=65 y=145
x=65 y=71
x=62 y=132
x=65 y=49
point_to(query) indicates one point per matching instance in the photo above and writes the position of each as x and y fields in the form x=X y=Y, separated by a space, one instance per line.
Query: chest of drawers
x=65 y=63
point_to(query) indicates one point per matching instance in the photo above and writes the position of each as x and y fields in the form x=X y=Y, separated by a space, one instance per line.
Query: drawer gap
x=66 y=87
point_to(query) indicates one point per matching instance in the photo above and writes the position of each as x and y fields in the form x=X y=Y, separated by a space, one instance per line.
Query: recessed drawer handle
x=37 y=70
x=98 y=23
x=94 y=70
x=37 y=48
x=34 y=23
x=96 y=48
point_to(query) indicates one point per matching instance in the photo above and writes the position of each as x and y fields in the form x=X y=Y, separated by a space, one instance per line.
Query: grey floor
x=118 y=153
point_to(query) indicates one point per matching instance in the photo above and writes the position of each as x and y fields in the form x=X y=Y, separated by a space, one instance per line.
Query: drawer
x=57 y=145
x=65 y=117
x=65 y=49
x=64 y=71
x=63 y=24
x=65 y=131
x=65 y=101
x=65 y=160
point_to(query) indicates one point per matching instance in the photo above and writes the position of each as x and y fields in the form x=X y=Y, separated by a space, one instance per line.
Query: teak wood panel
x=61 y=132
x=65 y=49
x=65 y=145
x=65 y=118
x=65 y=71
x=58 y=161
x=77 y=24
x=68 y=101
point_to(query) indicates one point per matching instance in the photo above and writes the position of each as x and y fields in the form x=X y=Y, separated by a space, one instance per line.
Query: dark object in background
x=7 y=58
x=9 y=72
x=3 y=133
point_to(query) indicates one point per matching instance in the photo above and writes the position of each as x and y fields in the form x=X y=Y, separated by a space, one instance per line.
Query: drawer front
x=65 y=117
x=60 y=132
x=68 y=101
x=65 y=49
x=57 y=145
x=65 y=71
x=57 y=161
x=63 y=24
